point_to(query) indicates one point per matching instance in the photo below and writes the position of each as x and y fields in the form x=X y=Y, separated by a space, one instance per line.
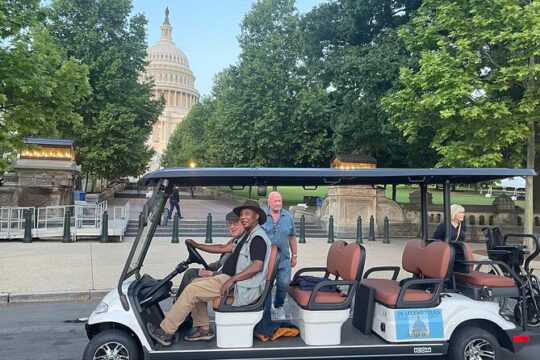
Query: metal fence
x=48 y=222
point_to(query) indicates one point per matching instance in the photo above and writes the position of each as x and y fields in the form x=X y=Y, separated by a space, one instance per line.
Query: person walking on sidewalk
x=236 y=229
x=174 y=201
x=279 y=226
x=245 y=271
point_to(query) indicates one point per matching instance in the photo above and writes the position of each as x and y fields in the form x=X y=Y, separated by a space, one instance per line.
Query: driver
x=244 y=270
x=236 y=229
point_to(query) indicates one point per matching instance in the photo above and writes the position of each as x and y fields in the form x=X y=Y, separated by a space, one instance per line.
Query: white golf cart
x=443 y=307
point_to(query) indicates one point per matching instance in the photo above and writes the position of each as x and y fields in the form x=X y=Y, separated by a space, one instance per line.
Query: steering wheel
x=195 y=256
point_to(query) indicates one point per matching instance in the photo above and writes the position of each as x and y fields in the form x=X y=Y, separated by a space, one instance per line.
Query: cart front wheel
x=112 y=345
x=471 y=343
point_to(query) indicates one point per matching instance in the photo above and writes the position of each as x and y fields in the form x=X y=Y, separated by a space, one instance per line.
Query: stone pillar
x=45 y=182
x=346 y=203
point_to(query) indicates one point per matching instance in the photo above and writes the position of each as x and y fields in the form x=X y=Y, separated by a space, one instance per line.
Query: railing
x=12 y=221
x=48 y=222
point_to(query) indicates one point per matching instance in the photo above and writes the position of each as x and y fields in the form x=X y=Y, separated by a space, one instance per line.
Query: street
x=50 y=331
x=43 y=330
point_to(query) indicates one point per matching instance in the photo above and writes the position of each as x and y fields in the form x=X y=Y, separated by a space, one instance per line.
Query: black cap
x=232 y=217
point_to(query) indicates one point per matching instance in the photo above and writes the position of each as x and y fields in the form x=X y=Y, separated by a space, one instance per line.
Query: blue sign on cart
x=417 y=324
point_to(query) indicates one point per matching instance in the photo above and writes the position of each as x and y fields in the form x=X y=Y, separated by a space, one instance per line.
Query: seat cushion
x=302 y=296
x=479 y=278
x=387 y=292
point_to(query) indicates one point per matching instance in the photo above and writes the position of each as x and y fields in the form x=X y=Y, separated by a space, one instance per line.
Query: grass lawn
x=293 y=195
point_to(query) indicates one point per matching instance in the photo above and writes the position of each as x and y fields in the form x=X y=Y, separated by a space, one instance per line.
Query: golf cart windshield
x=142 y=242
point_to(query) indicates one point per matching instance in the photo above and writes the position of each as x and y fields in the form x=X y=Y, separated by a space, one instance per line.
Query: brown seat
x=430 y=264
x=346 y=263
x=465 y=273
x=226 y=304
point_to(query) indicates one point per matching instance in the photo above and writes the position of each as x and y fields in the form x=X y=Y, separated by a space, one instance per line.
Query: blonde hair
x=454 y=209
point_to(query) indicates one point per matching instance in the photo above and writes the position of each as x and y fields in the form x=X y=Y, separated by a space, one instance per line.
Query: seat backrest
x=464 y=253
x=272 y=263
x=498 y=238
x=488 y=237
x=433 y=260
x=346 y=260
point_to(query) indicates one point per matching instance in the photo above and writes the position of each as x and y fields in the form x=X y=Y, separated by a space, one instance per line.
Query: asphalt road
x=49 y=331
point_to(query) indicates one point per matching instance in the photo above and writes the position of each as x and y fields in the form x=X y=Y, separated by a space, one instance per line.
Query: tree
x=39 y=85
x=119 y=116
x=265 y=110
x=273 y=114
x=353 y=48
x=189 y=140
x=476 y=85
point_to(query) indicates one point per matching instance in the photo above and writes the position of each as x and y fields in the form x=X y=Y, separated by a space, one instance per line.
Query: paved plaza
x=52 y=270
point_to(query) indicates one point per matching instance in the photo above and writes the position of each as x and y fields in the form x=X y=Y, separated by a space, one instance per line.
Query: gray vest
x=249 y=290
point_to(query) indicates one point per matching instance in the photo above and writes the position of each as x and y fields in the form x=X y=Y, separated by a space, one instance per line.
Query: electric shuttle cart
x=444 y=306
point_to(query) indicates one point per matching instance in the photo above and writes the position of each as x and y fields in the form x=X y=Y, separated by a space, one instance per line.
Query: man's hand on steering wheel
x=192 y=242
x=194 y=255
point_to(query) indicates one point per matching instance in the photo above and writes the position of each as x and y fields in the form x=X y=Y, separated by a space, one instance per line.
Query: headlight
x=102 y=307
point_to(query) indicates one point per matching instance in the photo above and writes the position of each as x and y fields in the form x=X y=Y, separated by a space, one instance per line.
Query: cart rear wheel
x=112 y=345
x=471 y=343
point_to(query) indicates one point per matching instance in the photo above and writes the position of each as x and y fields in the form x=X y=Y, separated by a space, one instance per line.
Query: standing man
x=244 y=271
x=236 y=229
x=174 y=201
x=279 y=226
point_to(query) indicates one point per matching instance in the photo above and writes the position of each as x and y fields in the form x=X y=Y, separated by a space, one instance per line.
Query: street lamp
x=192 y=164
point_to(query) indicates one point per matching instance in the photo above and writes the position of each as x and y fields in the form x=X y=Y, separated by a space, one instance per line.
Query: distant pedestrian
x=174 y=201
x=148 y=195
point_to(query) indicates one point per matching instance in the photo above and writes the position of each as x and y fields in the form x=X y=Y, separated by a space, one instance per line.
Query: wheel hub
x=479 y=349
x=111 y=351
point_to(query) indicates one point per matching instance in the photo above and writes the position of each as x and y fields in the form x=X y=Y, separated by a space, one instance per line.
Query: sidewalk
x=45 y=271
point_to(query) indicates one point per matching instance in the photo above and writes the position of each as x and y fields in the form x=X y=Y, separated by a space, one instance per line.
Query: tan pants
x=193 y=300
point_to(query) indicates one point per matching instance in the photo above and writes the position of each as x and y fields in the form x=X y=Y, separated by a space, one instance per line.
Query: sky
x=205 y=30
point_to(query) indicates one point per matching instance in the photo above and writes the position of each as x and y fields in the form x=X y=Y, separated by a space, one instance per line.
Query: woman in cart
x=457 y=230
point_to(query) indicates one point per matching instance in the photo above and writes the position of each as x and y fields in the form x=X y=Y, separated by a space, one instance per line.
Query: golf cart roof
x=326 y=176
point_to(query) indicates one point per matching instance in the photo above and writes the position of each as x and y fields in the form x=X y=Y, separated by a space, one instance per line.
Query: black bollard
x=208 y=239
x=371 y=228
x=27 y=214
x=105 y=227
x=302 y=239
x=175 y=239
x=141 y=221
x=331 y=229
x=67 y=227
x=359 y=230
x=386 y=231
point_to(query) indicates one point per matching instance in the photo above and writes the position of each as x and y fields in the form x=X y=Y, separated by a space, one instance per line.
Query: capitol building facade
x=169 y=68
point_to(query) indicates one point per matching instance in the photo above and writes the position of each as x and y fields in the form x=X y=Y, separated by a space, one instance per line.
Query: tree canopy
x=119 y=116
x=475 y=85
x=40 y=86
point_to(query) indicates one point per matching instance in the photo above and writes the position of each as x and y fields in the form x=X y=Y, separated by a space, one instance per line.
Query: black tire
x=114 y=339
x=466 y=340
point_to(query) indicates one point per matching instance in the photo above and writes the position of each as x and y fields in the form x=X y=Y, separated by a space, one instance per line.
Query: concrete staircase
x=197 y=228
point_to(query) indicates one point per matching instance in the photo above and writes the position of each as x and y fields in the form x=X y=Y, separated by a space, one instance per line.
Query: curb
x=17 y=298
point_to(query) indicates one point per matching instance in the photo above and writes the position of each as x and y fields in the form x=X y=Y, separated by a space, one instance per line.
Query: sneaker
x=200 y=335
x=159 y=335
x=280 y=313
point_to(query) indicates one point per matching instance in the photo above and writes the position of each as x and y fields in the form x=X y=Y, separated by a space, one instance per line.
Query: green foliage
x=39 y=86
x=119 y=116
x=184 y=146
x=265 y=110
x=476 y=84
x=352 y=46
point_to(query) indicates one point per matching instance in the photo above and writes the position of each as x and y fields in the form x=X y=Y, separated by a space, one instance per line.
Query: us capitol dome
x=173 y=79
